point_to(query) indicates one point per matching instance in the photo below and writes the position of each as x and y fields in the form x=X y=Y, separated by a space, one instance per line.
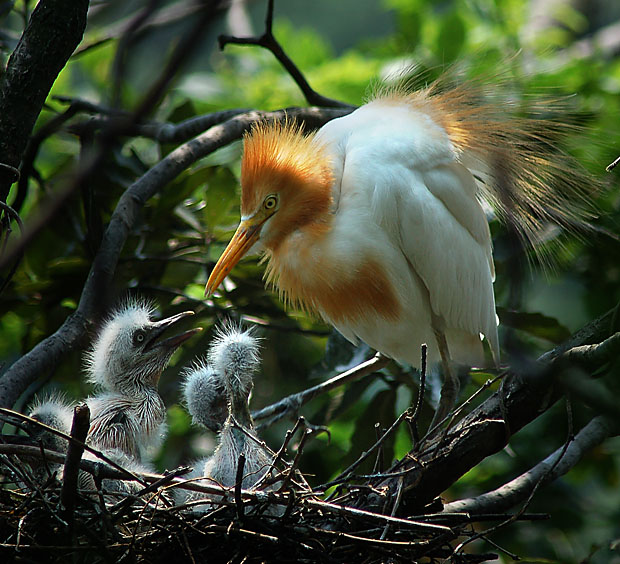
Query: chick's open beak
x=171 y=343
x=246 y=235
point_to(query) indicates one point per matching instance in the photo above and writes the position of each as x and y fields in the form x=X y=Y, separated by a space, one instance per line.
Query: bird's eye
x=139 y=337
x=270 y=202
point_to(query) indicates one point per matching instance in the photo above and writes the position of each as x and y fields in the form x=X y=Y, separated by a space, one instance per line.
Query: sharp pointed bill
x=243 y=240
x=171 y=343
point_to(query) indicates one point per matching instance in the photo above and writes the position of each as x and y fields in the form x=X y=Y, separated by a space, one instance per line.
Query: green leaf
x=535 y=324
x=220 y=195
x=451 y=37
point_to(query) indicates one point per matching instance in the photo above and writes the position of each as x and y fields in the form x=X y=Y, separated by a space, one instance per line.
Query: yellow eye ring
x=270 y=202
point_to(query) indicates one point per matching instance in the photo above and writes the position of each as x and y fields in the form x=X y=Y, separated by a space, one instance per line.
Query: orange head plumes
x=286 y=183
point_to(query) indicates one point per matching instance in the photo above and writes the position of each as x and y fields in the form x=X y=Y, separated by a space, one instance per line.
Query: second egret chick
x=57 y=412
x=217 y=393
x=126 y=362
x=235 y=356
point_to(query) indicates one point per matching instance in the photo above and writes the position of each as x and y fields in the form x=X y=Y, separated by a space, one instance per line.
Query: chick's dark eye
x=270 y=202
x=139 y=337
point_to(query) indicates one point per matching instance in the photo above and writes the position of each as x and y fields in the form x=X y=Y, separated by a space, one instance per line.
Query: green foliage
x=184 y=228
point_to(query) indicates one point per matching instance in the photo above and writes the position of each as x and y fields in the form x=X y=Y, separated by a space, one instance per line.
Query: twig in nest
x=238 y=482
x=413 y=420
x=294 y=401
x=399 y=495
x=349 y=471
x=278 y=455
x=268 y=41
x=293 y=468
x=75 y=449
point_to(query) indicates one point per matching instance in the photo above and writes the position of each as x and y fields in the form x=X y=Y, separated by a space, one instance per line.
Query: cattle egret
x=126 y=361
x=375 y=221
x=217 y=393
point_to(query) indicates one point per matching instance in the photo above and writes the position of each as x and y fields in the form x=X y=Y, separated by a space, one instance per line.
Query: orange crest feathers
x=280 y=157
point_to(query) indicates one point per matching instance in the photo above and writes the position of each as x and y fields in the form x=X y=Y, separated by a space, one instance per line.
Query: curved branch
x=295 y=401
x=73 y=332
x=517 y=490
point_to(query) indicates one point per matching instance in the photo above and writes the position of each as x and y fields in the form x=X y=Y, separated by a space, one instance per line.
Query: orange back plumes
x=525 y=175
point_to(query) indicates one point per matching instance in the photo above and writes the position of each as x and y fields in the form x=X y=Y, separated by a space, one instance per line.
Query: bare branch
x=268 y=41
x=295 y=401
x=517 y=490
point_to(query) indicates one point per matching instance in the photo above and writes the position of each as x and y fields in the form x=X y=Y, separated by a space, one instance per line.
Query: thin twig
x=238 y=483
x=413 y=420
x=613 y=165
x=269 y=42
x=349 y=470
x=294 y=401
x=399 y=495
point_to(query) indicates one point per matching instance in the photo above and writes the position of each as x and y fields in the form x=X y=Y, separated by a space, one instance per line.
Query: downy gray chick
x=126 y=362
x=217 y=393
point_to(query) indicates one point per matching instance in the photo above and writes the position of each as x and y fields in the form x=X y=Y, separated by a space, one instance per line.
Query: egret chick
x=126 y=362
x=217 y=393
x=235 y=355
x=204 y=393
x=57 y=412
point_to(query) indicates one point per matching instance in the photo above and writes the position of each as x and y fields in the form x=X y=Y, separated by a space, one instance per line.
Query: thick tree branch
x=487 y=429
x=54 y=31
x=517 y=490
x=73 y=332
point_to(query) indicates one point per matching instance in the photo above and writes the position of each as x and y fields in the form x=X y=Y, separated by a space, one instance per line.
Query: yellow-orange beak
x=246 y=235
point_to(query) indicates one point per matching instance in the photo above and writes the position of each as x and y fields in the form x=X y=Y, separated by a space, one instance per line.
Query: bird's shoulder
x=386 y=132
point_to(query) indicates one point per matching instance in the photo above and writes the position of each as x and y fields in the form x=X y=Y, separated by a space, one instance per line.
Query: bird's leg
x=451 y=385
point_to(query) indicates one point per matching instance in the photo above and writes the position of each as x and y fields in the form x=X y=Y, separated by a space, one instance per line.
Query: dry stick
x=413 y=420
x=347 y=473
x=461 y=407
x=294 y=401
x=238 y=483
x=399 y=495
x=75 y=449
x=268 y=41
x=168 y=477
x=278 y=455
x=293 y=468
x=613 y=165
x=371 y=516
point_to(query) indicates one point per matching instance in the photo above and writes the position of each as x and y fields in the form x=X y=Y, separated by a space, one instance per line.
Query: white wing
x=403 y=164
